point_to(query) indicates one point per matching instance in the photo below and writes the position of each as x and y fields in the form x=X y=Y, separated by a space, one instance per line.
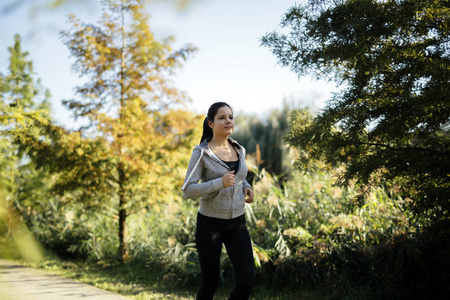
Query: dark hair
x=212 y=112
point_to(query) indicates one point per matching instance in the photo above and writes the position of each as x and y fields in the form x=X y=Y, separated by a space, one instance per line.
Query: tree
x=391 y=119
x=23 y=103
x=130 y=153
x=23 y=99
x=265 y=137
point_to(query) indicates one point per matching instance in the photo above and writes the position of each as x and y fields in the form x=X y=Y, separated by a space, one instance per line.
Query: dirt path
x=22 y=283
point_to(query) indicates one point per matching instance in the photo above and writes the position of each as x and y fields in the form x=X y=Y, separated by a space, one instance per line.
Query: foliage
x=264 y=137
x=129 y=162
x=309 y=234
x=310 y=212
x=304 y=230
x=304 y=235
x=22 y=98
x=142 y=281
x=60 y=229
x=136 y=140
x=390 y=122
x=24 y=103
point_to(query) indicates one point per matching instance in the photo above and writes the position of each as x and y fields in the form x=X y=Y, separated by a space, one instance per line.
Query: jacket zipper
x=231 y=210
x=224 y=164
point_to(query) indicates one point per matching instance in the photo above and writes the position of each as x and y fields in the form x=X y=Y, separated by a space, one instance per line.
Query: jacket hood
x=205 y=147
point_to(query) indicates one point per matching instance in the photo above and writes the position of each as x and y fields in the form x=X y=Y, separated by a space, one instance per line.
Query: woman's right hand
x=228 y=179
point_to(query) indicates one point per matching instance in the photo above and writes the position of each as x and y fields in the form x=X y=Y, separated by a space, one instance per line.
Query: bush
x=61 y=230
x=305 y=232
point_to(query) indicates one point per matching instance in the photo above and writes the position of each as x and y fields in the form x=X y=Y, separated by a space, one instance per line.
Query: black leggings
x=210 y=235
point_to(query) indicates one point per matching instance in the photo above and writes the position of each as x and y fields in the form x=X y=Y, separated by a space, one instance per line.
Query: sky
x=230 y=64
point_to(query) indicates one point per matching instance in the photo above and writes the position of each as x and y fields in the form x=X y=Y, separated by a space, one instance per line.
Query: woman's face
x=223 y=124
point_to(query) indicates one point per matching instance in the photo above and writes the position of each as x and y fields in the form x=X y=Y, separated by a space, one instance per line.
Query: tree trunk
x=122 y=251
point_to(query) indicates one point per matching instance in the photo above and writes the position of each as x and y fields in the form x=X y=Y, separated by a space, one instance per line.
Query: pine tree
x=24 y=103
x=23 y=99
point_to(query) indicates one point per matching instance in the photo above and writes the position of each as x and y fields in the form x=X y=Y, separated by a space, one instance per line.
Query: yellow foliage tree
x=130 y=152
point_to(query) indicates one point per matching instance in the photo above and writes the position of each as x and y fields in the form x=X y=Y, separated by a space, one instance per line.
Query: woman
x=219 y=164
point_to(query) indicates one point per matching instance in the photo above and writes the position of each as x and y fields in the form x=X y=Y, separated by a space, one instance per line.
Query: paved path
x=22 y=283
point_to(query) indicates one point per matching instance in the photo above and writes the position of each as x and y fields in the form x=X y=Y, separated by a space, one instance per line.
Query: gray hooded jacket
x=216 y=201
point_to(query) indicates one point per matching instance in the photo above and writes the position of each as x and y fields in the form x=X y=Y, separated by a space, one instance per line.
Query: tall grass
x=304 y=230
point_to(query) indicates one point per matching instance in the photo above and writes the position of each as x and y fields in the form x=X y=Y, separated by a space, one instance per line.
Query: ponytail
x=207 y=131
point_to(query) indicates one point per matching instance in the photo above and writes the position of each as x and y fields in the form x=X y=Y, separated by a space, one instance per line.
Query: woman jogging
x=216 y=174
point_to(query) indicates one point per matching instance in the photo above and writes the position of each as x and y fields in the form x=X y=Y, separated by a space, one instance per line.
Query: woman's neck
x=219 y=141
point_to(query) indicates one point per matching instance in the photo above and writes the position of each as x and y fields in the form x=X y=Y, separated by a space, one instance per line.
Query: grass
x=144 y=282
x=310 y=243
x=403 y=268
x=135 y=280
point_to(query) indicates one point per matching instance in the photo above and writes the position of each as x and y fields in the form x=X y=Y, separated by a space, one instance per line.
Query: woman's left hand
x=248 y=194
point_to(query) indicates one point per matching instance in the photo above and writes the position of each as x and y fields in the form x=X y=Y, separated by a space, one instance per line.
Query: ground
x=18 y=282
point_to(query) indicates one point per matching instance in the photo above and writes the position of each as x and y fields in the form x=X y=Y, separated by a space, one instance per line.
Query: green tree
x=264 y=136
x=23 y=99
x=23 y=103
x=391 y=119
x=134 y=146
